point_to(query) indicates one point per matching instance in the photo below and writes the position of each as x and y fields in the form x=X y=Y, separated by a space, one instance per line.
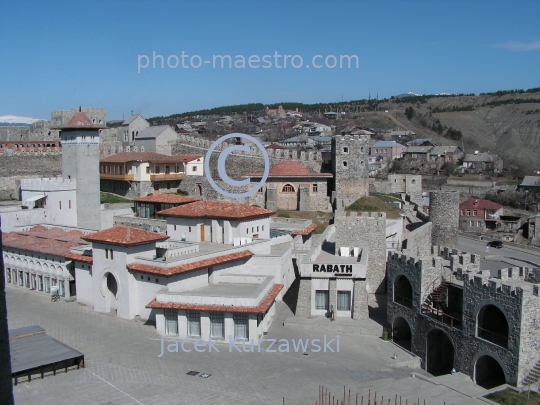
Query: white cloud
x=519 y=46
x=13 y=119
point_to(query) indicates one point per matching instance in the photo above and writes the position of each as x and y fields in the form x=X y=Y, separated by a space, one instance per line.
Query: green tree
x=409 y=112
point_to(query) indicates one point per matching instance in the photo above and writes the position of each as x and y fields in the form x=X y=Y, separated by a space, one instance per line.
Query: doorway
x=202 y=233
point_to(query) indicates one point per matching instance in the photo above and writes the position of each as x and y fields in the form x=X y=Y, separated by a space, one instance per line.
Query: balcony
x=122 y=177
x=166 y=176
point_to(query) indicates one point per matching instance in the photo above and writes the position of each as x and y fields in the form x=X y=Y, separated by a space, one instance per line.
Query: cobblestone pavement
x=122 y=364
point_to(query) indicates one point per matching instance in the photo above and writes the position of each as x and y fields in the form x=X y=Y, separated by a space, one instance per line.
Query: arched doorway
x=439 y=353
x=488 y=373
x=401 y=333
x=111 y=292
x=403 y=291
x=492 y=325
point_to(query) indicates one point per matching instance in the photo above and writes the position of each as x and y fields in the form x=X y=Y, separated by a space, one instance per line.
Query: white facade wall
x=195 y=167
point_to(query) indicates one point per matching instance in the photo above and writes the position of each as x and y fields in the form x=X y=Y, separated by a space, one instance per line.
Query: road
x=499 y=258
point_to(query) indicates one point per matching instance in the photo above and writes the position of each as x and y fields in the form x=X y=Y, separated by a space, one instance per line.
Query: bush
x=182 y=192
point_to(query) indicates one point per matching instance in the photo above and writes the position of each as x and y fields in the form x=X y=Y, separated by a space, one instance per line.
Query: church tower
x=80 y=162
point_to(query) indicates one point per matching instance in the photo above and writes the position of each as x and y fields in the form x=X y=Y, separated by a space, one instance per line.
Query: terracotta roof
x=151 y=157
x=290 y=168
x=80 y=258
x=218 y=210
x=125 y=236
x=189 y=267
x=306 y=231
x=42 y=240
x=80 y=120
x=265 y=304
x=167 y=199
x=275 y=146
x=480 y=204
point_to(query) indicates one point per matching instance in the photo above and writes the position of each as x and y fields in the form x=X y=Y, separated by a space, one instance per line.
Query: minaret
x=80 y=162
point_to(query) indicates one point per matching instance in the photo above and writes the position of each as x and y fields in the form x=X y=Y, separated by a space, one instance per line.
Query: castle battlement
x=48 y=184
x=351 y=137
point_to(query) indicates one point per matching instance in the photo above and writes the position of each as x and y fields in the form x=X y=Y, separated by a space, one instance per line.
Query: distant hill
x=506 y=122
x=13 y=120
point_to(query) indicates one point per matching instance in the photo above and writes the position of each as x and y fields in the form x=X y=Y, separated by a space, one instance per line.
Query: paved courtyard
x=122 y=364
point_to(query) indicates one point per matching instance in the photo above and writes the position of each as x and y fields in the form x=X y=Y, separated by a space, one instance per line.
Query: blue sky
x=57 y=55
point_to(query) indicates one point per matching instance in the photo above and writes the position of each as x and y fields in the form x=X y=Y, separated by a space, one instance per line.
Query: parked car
x=497 y=244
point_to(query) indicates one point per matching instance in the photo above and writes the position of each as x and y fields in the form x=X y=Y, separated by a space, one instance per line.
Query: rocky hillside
x=508 y=124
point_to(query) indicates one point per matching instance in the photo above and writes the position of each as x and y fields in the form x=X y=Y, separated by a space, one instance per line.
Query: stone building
x=336 y=278
x=453 y=316
x=291 y=186
x=156 y=139
x=350 y=167
x=366 y=231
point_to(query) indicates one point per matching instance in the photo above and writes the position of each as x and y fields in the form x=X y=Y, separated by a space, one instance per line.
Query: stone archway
x=403 y=291
x=488 y=372
x=439 y=353
x=401 y=333
x=492 y=325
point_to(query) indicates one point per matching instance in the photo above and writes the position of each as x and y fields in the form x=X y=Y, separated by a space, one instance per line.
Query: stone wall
x=148 y=224
x=514 y=293
x=16 y=167
x=444 y=215
x=419 y=238
x=367 y=231
x=6 y=393
x=237 y=162
x=303 y=306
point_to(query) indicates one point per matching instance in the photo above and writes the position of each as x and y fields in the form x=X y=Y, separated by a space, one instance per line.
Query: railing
x=438 y=314
x=490 y=336
x=406 y=302
x=123 y=177
x=165 y=177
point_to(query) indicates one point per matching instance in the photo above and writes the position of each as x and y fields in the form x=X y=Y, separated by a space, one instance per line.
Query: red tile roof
x=151 y=157
x=306 y=231
x=80 y=120
x=167 y=199
x=290 y=168
x=80 y=258
x=125 y=236
x=189 y=267
x=480 y=204
x=42 y=240
x=265 y=304
x=218 y=210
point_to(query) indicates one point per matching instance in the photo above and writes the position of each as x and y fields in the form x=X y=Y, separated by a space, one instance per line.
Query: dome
x=80 y=120
x=289 y=168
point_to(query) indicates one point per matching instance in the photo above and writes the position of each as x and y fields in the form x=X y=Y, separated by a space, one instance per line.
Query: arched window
x=287 y=188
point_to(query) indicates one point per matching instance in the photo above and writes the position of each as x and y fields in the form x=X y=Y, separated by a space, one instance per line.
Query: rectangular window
x=194 y=168
x=474 y=213
x=479 y=224
x=21 y=281
x=27 y=280
x=343 y=300
x=241 y=326
x=106 y=253
x=69 y=204
x=462 y=212
x=217 y=328
x=171 y=322
x=471 y=223
x=175 y=227
x=193 y=323
x=157 y=169
x=468 y=213
x=112 y=254
x=321 y=299
x=189 y=229
x=47 y=285
x=60 y=204
x=40 y=283
x=314 y=188
x=147 y=169
x=14 y=277
x=8 y=275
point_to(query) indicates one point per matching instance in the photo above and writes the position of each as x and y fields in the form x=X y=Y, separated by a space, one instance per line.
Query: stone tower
x=80 y=162
x=444 y=216
x=6 y=393
x=350 y=167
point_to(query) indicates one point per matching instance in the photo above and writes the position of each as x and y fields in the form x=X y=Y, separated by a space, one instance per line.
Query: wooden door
x=202 y=233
